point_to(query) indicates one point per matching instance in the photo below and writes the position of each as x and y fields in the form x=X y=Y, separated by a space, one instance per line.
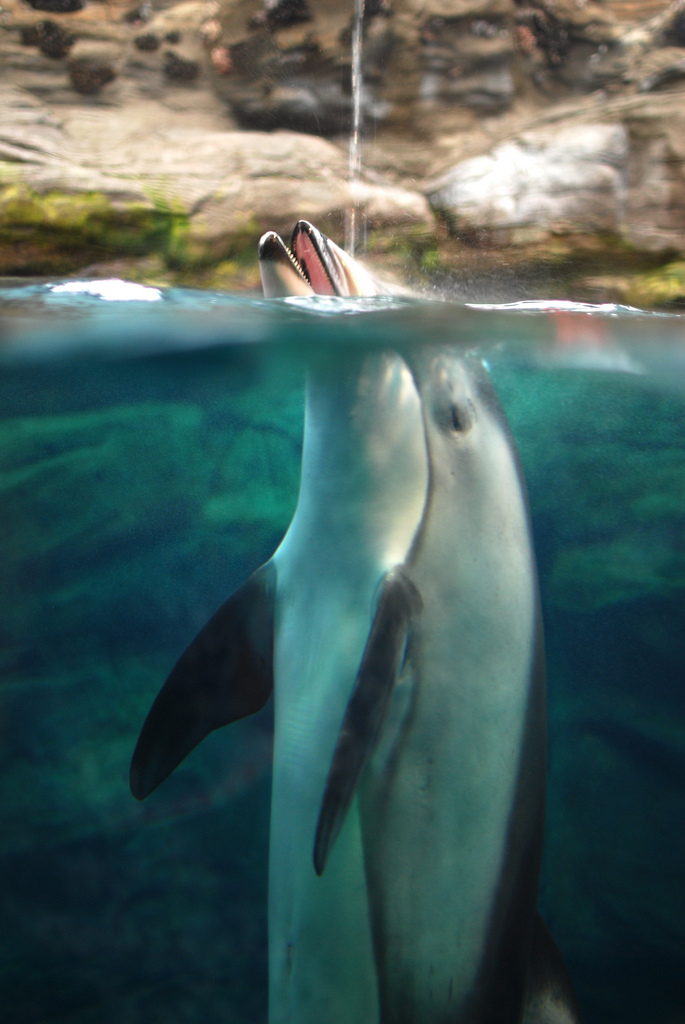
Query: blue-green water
x=149 y=460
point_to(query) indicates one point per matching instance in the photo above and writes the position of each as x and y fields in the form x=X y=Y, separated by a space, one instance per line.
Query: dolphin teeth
x=311 y=264
x=295 y=263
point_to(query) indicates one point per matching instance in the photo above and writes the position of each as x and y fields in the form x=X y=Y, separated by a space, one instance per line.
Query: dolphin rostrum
x=398 y=624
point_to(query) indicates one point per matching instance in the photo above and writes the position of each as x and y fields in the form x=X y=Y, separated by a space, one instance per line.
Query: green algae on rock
x=196 y=198
x=51 y=231
x=660 y=288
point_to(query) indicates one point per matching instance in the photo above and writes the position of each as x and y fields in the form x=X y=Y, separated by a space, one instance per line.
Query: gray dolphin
x=444 y=737
x=409 y=566
x=299 y=626
x=313 y=265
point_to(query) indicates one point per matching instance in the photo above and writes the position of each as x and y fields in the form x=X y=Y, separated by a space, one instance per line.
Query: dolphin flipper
x=550 y=997
x=225 y=674
x=381 y=664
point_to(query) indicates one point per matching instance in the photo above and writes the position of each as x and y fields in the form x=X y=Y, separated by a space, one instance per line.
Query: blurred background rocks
x=511 y=148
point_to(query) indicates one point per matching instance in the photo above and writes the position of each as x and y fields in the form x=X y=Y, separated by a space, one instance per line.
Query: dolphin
x=299 y=626
x=399 y=627
x=444 y=737
x=313 y=265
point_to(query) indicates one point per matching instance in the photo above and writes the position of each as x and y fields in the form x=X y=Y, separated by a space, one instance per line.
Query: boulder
x=467 y=58
x=567 y=180
x=391 y=206
x=617 y=171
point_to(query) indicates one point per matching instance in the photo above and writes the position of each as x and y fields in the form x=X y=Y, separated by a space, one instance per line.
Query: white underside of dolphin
x=398 y=625
x=361 y=499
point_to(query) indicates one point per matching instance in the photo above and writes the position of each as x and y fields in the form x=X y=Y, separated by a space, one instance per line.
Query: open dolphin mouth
x=313 y=265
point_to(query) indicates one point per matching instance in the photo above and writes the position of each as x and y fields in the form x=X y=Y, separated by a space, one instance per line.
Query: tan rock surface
x=213 y=187
x=447 y=83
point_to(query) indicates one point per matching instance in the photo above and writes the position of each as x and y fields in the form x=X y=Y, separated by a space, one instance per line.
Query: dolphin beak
x=313 y=265
x=281 y=273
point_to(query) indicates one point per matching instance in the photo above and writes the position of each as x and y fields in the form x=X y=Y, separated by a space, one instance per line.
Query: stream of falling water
x=355 y=164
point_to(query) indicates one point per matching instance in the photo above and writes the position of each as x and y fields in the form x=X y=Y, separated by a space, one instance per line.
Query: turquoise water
x=149 y=461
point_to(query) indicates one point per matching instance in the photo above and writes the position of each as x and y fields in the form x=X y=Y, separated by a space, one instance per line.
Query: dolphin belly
x=321 y=964
x=362 y=495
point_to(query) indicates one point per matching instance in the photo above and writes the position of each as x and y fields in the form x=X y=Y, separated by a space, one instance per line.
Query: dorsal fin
x=381 y=664
x=225 y=674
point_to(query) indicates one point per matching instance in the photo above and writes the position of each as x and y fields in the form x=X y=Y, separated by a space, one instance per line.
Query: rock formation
x=543 y=133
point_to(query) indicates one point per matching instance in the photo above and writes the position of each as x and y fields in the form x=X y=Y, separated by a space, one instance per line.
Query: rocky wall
x=495 y=135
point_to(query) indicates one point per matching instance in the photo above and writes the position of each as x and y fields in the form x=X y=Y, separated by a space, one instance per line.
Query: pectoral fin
x=225 y=674
x=381 y=664
x=550 y=996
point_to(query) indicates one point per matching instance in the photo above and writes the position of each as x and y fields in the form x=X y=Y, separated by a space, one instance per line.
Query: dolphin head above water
x=312 y=265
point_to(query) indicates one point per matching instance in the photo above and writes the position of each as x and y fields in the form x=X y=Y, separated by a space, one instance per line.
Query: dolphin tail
x=550 y=998
x=225 y=674
x=380 y=667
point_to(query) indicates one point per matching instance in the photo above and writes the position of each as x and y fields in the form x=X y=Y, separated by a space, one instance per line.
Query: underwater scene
x=150 y=459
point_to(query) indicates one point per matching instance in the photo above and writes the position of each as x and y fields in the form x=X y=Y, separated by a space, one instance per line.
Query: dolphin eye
x=456 y=418
x=460 y=417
